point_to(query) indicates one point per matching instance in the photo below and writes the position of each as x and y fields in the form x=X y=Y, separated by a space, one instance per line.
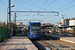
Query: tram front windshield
x=35 y=27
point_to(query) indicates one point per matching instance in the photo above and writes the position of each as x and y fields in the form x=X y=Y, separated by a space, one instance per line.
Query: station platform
x=17 y=43
x=61 y=37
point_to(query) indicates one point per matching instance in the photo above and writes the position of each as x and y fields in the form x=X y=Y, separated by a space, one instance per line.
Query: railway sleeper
x=39 y=45
x=54 y=44
x=58 y=47
x=46 y=45
x=66 y=43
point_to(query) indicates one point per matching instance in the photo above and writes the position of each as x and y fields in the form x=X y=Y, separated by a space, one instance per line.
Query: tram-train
x=34 y=30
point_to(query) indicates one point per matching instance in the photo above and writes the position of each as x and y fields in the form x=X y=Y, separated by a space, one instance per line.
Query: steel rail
x=63 y=45
x=67 y=42
x=48 y=45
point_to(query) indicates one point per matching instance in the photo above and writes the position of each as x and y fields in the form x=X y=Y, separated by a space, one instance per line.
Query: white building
x=71 y=22
x=65 y=22
x=19 y=23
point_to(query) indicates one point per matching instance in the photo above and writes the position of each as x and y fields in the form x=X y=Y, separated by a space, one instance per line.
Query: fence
x=3 y=33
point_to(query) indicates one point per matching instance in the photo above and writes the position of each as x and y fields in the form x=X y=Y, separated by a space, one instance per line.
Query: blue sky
x=66 y=7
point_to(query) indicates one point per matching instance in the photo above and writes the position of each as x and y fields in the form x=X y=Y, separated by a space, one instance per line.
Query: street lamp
x=12 y=5
x=7 y=20
x=7 y=14
x=63 y=22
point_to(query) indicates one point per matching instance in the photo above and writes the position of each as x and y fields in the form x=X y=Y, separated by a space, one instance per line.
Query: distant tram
x=34 y=30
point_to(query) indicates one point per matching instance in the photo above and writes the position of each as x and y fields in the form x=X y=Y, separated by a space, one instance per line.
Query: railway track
x=48 y=44
x=53 y=45
x=70 y=45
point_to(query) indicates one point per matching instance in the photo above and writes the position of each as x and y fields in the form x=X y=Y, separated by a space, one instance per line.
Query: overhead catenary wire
x=47 y=7
x=22 y=5
x=28 y=3
x=31 y=4
x=48 y=17
x=64 y=5
x=40 y=8
x=27 y=15
x=45 y=17
x=36 y=6
x=70 y=13
x=44 y=4
x=67 y=8
x=49 y=4
x=24 y=16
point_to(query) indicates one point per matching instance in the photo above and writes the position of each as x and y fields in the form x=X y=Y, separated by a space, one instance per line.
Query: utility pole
x=9 y=18
x=7 y=23
x=15 y=18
